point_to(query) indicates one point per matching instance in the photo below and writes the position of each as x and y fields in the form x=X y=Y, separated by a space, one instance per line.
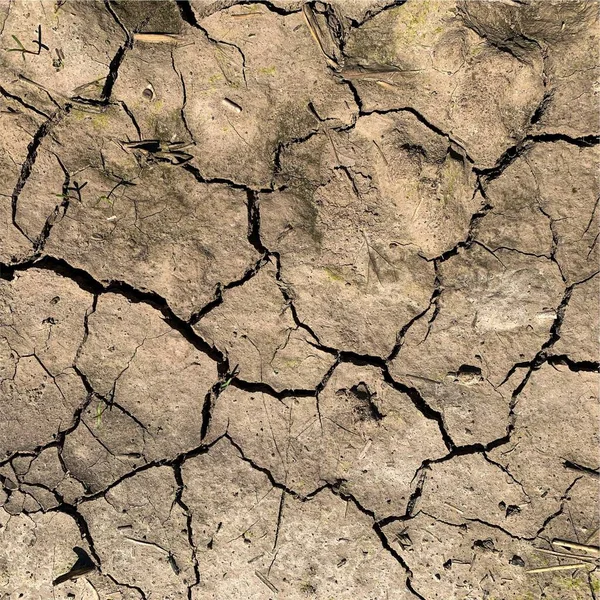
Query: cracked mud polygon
x=299 y=300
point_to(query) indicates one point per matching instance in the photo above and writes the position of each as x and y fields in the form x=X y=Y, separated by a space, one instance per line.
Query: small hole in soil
x=484 y=544
x=517 y=561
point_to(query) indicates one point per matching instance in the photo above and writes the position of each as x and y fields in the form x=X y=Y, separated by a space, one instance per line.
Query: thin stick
x=556 y=568
x=266 y=581
x=565 y=555
x=157 y=38
x=575 y=546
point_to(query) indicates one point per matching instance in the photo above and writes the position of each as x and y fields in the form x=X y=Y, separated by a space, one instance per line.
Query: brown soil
x=299 y=300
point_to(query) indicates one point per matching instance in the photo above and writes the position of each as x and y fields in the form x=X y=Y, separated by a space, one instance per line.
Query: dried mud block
x=374 y=438
x=457 y=560
x=545 y=203
x=282 y=436
x=42 y=323
x=255 y=327
x=46 y=49
x=299 y=299
x=48 y=540
x=117 y=328
x=150 y=84
x=250 y=88
x=140 y=534
x=164 y=388
x=18 y=128
x=106 y=445
x=361 y=213
x=580 y=329
x=151 y=385
x=422 y=55
x=130 y=218
x=472 y=488
x=494 y=311
x=254 y=542
x=46 y=480
x=555 y=436
x=43 y=314
x=360 y=434
x=565 y=35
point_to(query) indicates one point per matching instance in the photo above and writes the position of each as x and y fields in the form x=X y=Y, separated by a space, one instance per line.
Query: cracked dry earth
x=299 y=300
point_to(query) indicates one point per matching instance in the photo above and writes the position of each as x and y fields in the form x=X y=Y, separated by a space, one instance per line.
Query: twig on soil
x=557 y=568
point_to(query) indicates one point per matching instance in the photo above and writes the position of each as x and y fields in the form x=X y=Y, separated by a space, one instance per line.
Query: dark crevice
x=573 y=466
x=423 y=120
x=514 y=152
x=426 y=410
x=507 y=472
x=378 y=529
x=27 y=166
x=433 y=301
x=135 y=588
x=59 y=211
x=279 y=519
x=88 y=283
x=253 y=203
x=113 y=73
x=117 y=60
x=132 y=117
x=281 y=146
x=593 y=585
x=371 y=14
x=409 y=513
x=207 y=406
x=22 y=102
x=541 y=108
x=356 y=96
x=575 y=366
x=266 y=472
x=559 y=511
x=474 y=222
x=278 y=10
x=187 y=13
x=228 y=182
x=189 y=531
x=71 y=510
x=270 y=6
x=257 y=387
x=288 y=296
x=219 y=298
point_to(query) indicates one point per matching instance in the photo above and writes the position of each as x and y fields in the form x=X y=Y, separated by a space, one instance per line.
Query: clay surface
x=299 y=300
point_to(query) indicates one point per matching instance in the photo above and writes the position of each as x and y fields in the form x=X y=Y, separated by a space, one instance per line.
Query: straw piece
x=575 y=546
x=565 y=555
x=157 y=38
x=556 y=568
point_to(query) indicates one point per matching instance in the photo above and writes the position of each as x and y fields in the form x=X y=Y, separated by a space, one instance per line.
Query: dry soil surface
x=299 y=300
